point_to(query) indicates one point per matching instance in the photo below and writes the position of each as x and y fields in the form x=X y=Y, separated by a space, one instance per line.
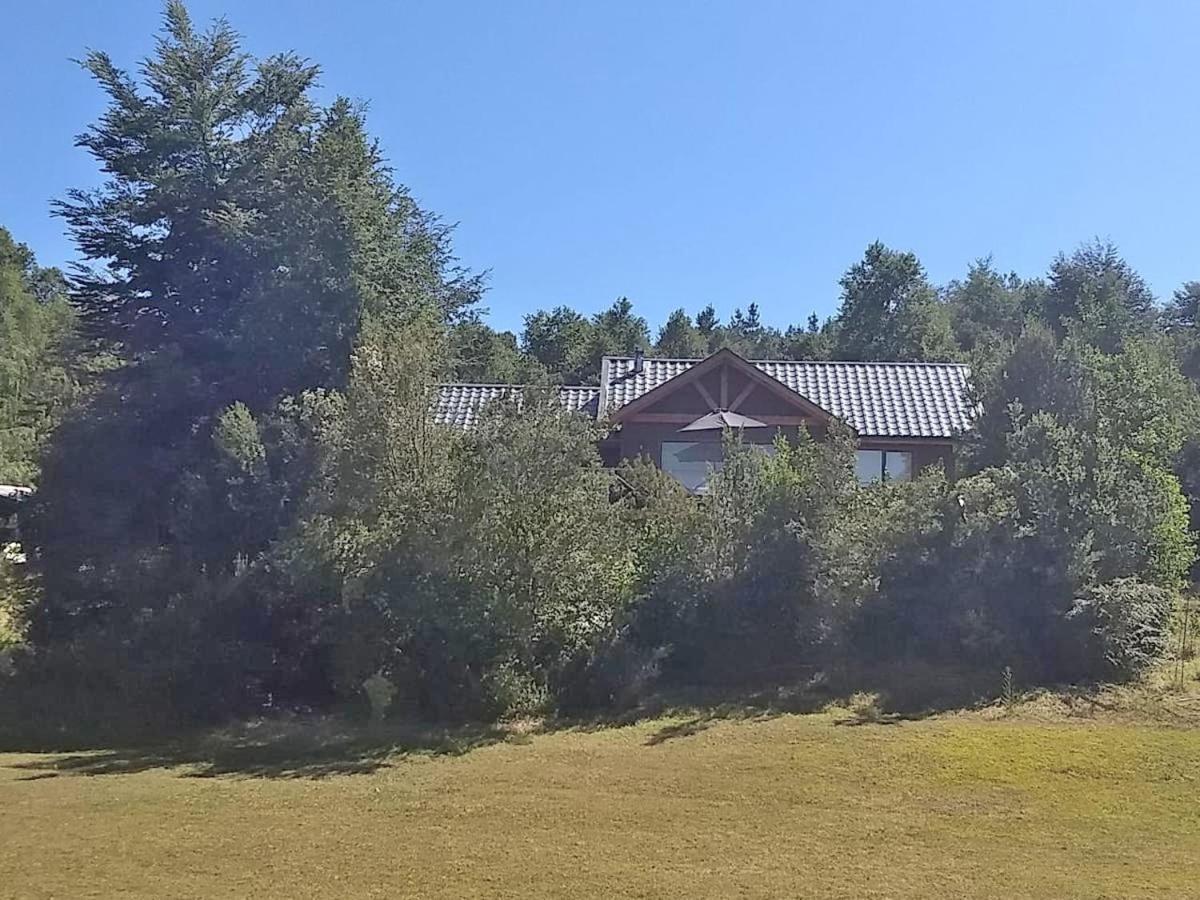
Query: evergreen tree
x=35 y=386
x=889 y=311
x=617 y=331
x=680 y=339
x=560 y=340
x=480 y=354
x=987 y=308
x=747 y=336
x=1097 y=295
x=813 y=341
x=707 y=322
x=1183 y=310
x=242 y=236
x=1181 y=321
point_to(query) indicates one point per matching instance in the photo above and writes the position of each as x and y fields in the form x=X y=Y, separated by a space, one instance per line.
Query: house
x=905 y=416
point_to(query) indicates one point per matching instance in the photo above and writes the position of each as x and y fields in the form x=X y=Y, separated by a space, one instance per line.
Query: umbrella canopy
x=722 y=419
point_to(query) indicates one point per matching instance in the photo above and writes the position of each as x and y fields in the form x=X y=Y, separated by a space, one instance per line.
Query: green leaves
x=36 y=324
x=459 y=563
x=681 y=339
x=568 y=345
x=242 y=239
x=1097 y=295
x=237 y=437
x=889 y=311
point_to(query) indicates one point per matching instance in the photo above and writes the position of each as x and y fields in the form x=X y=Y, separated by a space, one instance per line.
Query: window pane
x=691 y=461
x=897 y=465
x=868 y=466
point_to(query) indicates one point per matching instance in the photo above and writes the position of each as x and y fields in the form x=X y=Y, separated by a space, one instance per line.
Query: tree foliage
x=36 y=385
x=241 y=239
x=1097 y=295
x=890 y=311
x=680 y=338
x=453 y=564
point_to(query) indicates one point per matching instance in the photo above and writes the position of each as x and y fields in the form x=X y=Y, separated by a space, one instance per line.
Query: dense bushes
x=1060 y=563
x=341 y=539
x=503 y=571
x=1055 y=552
x=472 y=570
x=734 y=583
x=1015 y=547
x=36 y=384
x=16 y=595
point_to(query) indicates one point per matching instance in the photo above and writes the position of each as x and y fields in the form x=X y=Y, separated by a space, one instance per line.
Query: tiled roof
x=461 y=404
x=878 y=399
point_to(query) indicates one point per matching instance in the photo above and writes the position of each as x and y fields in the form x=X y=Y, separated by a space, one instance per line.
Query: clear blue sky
x=683 y=153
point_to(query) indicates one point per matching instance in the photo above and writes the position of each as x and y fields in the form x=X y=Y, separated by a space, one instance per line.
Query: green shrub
x=475 y=571
x=514 y=692
x=1128 y=625
x=989 y=570
x=172 y=670
x=737 y=596
x=864 y=706
x=617 y=676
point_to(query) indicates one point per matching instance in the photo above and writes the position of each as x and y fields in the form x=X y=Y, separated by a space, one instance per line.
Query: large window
x=694 y=462
x=883 y=465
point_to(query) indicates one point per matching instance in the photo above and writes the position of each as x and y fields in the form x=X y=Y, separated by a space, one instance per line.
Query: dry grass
x=1062 y=798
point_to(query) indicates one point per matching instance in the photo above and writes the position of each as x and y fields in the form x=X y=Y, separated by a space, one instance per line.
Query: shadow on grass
x=898 y=694
x=320 y=747
x=705 y=707
x=679 y=730
x=315 y=748
x=885 y=719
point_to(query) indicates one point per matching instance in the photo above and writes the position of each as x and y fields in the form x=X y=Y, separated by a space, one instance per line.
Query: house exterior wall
x=646 y=438
x=643 y=433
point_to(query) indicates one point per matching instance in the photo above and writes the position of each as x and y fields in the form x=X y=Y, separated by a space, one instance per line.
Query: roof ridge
x=509 y=384
x=861 y=362
x=820 y=362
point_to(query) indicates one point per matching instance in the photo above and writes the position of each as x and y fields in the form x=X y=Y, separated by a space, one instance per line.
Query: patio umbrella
x=722 y=419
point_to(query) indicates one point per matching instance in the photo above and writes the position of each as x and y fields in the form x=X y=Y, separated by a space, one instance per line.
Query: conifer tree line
x=242 y=504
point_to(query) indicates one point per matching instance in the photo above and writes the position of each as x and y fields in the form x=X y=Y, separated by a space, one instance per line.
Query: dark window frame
x=883 y=466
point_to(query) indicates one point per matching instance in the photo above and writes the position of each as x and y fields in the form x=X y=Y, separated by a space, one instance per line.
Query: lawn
x=1035 y=804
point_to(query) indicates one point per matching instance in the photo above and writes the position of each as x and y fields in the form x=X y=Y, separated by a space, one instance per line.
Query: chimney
x=639 y=361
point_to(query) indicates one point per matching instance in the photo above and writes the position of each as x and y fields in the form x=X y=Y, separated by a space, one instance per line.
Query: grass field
x=1090 y=798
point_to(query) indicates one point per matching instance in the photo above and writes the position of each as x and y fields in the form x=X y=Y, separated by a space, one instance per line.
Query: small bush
x=617 y=677
x=512 y=692
x=864 y=706
x=741 y=597
x=1126 y=622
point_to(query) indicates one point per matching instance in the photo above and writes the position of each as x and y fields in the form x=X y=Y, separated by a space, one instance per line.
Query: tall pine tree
x=242 y=237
